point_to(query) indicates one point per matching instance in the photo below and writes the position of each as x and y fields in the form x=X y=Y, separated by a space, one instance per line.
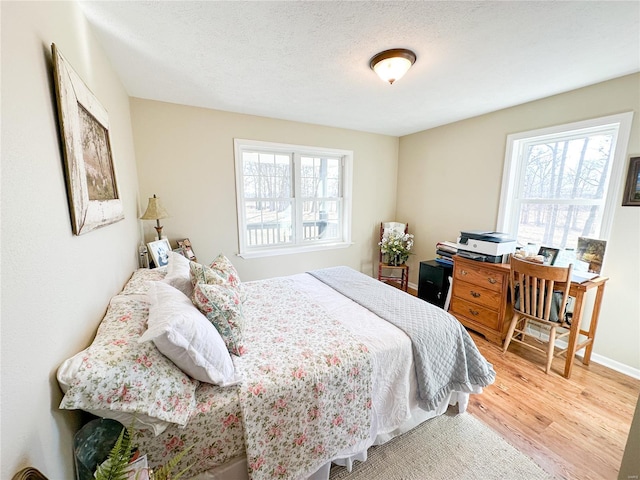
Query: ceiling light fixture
x=391 y=65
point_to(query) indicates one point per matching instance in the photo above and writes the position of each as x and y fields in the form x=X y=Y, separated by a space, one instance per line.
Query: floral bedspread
x=306 y=394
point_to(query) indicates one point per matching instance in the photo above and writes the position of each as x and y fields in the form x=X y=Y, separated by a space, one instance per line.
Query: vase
x=395 y=260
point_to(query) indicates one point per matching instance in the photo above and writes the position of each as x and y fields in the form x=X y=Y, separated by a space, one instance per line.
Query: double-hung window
x=563 y=182
x=291 y=198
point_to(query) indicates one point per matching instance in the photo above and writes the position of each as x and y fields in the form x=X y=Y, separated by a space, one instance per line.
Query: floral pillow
x=223 y=308
x=202 y=274
x=223 y=267
x=137 y=284
x=221 y=272
x=119 y=374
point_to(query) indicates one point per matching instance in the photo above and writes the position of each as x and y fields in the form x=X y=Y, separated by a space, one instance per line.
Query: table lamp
x=155 y=211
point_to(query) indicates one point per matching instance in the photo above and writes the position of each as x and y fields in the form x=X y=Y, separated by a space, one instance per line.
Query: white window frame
x=301 y=246
x=512 y=174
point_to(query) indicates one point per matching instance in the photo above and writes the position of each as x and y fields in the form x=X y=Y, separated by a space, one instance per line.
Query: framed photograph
x=159 y=251
x=549 y=254
x=84 y=128
x=591 y=251
x=187 y=250
x=632 y=188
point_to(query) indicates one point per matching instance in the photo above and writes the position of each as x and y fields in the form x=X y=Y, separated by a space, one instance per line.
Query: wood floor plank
x=574 y=428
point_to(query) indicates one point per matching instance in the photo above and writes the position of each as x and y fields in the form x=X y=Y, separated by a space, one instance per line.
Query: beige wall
x=55 y=286
x=450 y=178
x=185 y=156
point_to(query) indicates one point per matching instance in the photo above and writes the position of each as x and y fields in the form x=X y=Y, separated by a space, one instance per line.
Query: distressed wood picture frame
x=92 y=189
x=632 y=187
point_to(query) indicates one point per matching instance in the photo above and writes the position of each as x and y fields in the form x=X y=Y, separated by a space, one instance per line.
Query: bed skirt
x=236 y=468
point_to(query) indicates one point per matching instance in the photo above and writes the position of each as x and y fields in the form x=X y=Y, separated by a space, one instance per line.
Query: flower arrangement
x=396 y=246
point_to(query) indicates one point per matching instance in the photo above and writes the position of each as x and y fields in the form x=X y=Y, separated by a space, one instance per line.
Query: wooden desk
x=480 y=302
x=578 y=291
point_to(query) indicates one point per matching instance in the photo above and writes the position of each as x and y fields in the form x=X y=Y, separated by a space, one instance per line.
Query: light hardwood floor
x=574 y=429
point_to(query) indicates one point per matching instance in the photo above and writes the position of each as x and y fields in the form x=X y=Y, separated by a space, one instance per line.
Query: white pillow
x=178 y=273
x=186 y=337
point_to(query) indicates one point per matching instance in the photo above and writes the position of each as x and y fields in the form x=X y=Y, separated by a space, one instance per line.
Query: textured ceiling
x=308 y=61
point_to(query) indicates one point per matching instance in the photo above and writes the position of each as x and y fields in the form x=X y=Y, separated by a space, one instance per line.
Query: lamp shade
x=391 y=65
x=155 y=210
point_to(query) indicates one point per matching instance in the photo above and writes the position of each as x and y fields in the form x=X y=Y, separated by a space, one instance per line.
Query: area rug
x=446 y=447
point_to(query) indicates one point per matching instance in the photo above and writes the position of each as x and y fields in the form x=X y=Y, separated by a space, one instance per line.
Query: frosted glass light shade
x=391 y=65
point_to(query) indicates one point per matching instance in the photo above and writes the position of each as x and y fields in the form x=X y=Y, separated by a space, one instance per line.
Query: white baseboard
x=599 y=359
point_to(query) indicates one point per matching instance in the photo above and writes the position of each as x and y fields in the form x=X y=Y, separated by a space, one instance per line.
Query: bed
x=317 y=377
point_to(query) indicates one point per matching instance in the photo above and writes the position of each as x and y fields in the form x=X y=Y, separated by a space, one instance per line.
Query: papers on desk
x=581 y=277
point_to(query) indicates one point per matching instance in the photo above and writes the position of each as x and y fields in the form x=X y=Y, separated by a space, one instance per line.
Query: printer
x=492 y=247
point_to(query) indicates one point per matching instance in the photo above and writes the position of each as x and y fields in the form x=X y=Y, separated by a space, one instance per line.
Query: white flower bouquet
x=396 y=246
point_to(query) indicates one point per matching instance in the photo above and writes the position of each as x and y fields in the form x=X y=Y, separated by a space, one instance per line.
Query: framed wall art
x=632 y=187
x=159 y=251
x=94 y=200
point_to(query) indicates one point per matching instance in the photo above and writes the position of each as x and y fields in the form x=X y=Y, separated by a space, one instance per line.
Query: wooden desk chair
x=539 y=295
x=389 y=273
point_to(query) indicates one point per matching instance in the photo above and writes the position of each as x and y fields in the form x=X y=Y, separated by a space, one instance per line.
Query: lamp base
x=159 y=230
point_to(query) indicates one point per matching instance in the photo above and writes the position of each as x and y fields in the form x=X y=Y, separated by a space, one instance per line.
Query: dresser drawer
x=482 y=277
x=476 y=294
x=478 y=314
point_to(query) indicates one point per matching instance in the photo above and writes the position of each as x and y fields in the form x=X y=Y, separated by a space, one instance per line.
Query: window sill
x=274 y=252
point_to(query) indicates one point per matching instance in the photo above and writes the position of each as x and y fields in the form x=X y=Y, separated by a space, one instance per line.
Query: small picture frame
x=632 y=187
x=159 y=251
x=549 y=254
x=591 y=250
x=187 y=249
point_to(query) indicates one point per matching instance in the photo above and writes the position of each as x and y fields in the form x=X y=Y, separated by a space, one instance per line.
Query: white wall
x=185 y=156
x=449 y=179
x=55 y=286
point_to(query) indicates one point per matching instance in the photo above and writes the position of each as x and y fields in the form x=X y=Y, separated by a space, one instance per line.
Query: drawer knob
x=463 y=272
x=492 y=280
x=474 y=294
x=474 y=312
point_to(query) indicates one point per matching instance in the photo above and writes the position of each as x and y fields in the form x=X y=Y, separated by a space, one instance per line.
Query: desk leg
x=574 y=333
x=593 y=324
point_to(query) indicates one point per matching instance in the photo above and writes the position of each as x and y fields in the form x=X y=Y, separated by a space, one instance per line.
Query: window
x=291 y=198
x=563 y=182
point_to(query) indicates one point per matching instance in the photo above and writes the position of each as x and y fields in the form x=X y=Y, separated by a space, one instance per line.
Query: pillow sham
x=118 y=374
x=186 y=337
x=224 y=268
x=65 y=375
x=137 y=284
x=220 y=272
x=199 y=273
x=223 y=308
x=178 y=273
